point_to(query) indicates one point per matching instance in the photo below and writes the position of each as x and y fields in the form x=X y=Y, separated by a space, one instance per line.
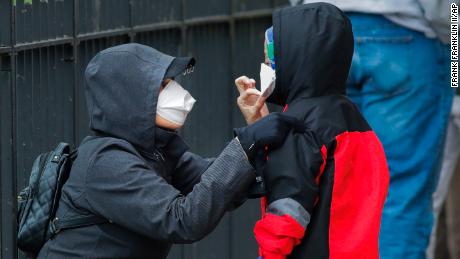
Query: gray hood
x=122 y=87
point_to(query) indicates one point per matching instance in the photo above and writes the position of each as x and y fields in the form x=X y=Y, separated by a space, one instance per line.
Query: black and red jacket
x=326 y=186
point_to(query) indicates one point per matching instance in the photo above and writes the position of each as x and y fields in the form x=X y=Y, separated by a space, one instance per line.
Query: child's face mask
x=174 y=103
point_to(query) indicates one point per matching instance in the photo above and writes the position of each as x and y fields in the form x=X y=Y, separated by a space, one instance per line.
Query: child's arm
x=292 y=176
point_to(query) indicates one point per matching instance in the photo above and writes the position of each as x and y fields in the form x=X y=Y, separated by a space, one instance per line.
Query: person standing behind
x=400 y=81
x=445 y=195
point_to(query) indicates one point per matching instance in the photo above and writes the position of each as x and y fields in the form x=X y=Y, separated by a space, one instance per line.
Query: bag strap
x=62 y=148
x=57 y=224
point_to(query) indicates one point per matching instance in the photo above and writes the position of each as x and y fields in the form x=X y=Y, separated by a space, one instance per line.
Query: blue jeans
x=400 y=81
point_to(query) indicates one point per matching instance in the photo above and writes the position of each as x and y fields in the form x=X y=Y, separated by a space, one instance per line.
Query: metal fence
x=45 y=46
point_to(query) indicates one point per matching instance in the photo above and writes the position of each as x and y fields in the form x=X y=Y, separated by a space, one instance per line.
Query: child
x=327 y=186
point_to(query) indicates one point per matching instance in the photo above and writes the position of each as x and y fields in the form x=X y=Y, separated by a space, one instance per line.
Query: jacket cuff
x=288 y=206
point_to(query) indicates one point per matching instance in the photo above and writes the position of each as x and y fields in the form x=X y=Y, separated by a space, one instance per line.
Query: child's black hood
x=313 y=51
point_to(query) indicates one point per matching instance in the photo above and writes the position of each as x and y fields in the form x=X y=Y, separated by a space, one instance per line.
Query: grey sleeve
x=121 y=188
x=189 y=170
x=288 y=206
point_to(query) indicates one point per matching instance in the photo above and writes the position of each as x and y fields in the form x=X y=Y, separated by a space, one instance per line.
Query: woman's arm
x=189 y=170
x=121 y=188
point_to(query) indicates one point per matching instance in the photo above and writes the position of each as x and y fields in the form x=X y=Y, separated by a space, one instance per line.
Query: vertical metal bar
x=75 y=69
x=11 y=251
x=182 y=52
x=7 y=177
x=1 y=165
x=231 y=103
x=49 y=74
x=5 y=65
x=183 y=28
x=42 y=90
x=131 y=33
x=13 y=248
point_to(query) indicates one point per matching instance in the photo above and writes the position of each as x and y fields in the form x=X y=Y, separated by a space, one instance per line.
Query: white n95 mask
x=174 y=103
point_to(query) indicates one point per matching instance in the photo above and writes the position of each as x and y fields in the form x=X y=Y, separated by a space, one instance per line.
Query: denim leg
x=400 y=81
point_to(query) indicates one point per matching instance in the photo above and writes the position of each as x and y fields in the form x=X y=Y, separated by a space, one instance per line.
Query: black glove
x=269 y=131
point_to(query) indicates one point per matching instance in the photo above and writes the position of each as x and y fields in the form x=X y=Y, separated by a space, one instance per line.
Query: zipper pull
x=159 y=156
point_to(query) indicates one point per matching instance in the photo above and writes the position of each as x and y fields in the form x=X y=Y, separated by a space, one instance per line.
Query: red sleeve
x=277 y=235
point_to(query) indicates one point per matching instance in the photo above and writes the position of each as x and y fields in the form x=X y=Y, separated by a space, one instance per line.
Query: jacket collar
x=170 y=144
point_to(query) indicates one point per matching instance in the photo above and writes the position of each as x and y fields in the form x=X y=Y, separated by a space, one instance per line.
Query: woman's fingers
x=243 y=82
x=240 y=83
x=260 y=102
x=252 y=83
x=250 y=96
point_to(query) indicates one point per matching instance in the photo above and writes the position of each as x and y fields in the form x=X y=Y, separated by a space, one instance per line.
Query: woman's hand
x=250 y=101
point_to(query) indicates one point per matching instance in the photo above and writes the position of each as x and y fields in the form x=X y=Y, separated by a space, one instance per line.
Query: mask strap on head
x=270 y=46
